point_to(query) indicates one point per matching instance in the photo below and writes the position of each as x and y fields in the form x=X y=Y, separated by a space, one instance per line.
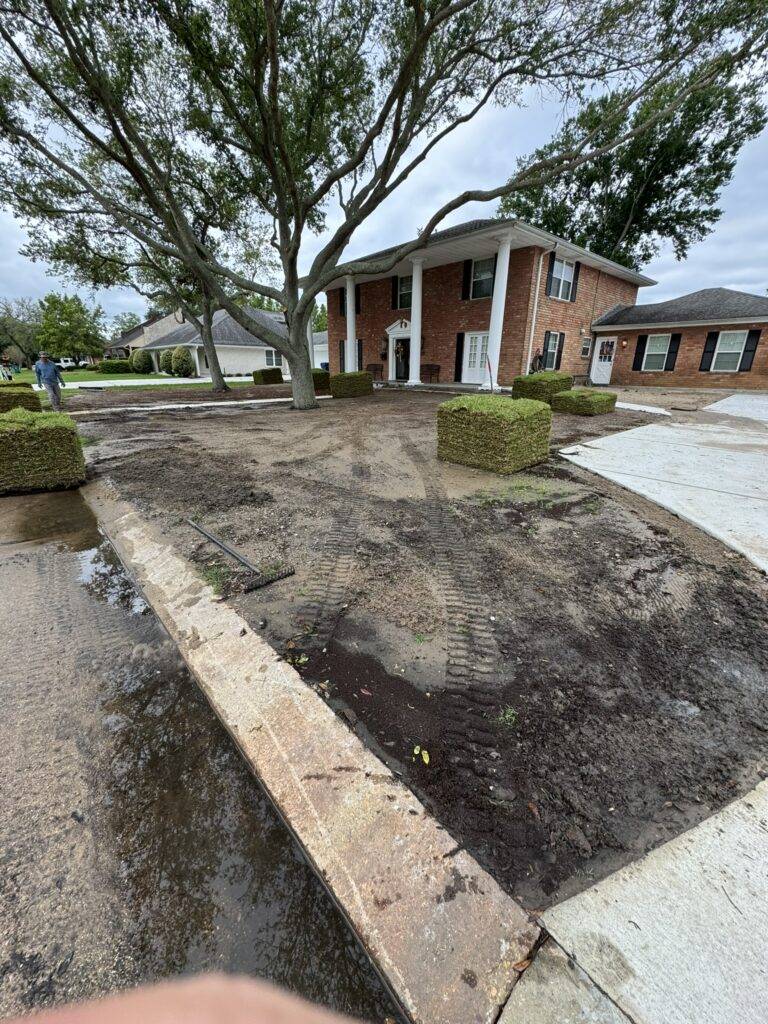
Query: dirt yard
x=566 y=674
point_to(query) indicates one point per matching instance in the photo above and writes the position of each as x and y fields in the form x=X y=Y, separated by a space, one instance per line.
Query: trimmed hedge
x=141 y=361
x=492 y=432
x=41 y=452
x=541 y=386
x=166 y=361
x=115 y=366
x=269 y=375
x=15 y=384
x=352 y=384
x=321 y=380
x=182 y=363
x=19 y=398
x=584 y=401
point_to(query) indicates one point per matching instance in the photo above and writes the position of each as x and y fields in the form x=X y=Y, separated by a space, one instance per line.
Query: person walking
x=47 y=373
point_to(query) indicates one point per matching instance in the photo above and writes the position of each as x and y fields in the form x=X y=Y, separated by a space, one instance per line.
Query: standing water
x=136 y=843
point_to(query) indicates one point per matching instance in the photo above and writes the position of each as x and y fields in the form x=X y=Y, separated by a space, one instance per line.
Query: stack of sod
x=350 y=385
x=19 y=398
x=493 y=432
x=584 y=401
x=15 y=384
x=269 y=375
x=321 y=379
x=541 y=386
x=41 y=452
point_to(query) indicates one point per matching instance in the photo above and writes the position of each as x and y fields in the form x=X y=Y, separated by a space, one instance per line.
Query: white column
x=350 y=350
x=196 y=354
x=497 y=308
x=414 y=367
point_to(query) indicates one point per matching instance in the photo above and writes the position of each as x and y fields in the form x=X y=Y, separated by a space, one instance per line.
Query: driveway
x=710 y=468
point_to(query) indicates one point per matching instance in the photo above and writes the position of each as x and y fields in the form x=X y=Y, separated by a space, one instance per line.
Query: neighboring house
x=486 y=294
x=320 y=349
x=711 y=338
x=150 y=330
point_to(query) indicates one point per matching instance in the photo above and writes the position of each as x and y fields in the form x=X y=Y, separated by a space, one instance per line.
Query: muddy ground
x=586 y=673
x=86 y=399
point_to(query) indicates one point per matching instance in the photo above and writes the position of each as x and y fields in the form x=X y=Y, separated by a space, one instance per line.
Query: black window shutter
x=357 y=298
x=559 y=356
x=359 y=353
x=642 y=341
x=550 y=272
x=575 y=285
x=749 y=351
x=395 y=291
x=459 y=356
x=341 y=357
x=709 y=350
x=342 y=301
x=674 y=345
x=466 y=281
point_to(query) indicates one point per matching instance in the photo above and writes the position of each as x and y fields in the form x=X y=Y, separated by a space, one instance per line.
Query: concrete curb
x=442 y=934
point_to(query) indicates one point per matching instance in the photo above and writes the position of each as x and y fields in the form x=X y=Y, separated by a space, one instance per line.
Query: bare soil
x=586 y=673
x=112 y=398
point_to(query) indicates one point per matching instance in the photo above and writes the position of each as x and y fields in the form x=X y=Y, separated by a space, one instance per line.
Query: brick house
x=483 y=296
x=710 y=338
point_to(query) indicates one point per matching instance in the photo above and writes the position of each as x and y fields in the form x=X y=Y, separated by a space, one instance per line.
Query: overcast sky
x=483 y=154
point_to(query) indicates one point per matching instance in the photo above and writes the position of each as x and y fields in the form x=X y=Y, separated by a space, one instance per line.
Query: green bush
x=321 y=380
x=166 y=361
x=15 y=384
x=182 y=363
x=269 y=375
x=19 y=398
x=541 y=386
x=115 y=366
x=350 y=385
x=141 y=361
x=41 y=452
x=584 y=401
x=493 y=432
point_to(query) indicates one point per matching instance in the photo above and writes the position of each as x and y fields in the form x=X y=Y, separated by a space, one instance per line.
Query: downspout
x=527 y=364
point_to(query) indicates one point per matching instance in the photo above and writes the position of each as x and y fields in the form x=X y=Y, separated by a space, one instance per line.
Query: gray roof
x=710 y=305
x=320 y=337
x=226 y=331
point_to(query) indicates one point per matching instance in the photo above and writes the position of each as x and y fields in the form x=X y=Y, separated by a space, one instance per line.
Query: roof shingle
x=709 y=305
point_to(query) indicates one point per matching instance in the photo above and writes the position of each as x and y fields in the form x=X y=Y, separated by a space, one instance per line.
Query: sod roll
x=15 y=384
x=351 y=385
x=41 y=451
x=491 y=432
x=269 y=375
x=19 y=398
x=541 y=386
x=584 y=401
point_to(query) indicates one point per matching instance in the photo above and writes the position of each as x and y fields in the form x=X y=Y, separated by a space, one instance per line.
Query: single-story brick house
x=478 y=300
x=714 y=338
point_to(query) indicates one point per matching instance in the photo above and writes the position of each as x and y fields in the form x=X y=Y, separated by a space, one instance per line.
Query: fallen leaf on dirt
x=522 y=964
x=425 y=756
x=366 y=692
x=534 y=810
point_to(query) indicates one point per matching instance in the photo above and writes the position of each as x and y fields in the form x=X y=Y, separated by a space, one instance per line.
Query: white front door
x=602 y=360
x=475 y=366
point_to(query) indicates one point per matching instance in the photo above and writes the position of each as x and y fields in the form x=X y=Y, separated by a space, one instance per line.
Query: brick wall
x=445 y=313
x=686 y=373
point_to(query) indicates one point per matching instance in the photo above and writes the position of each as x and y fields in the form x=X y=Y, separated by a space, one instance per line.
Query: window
x=274 y=358
x=656 y=349
x=404 y=289
x=562 y=280
x=551 y=342
x=586 y=347
x=730 y=346
x=482 y=278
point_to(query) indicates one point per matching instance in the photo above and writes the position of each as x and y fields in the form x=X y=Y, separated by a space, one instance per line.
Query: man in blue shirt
x=47 y=373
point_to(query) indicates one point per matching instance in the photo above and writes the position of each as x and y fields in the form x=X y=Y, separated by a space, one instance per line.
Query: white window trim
x=546 y=350
x=586 y=343
x=652 y=369
x=478 y=298
x=741 y=351
x=565 y=263
x=277 y=357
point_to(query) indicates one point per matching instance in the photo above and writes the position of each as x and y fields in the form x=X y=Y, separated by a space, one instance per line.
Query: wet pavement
x=134 y=842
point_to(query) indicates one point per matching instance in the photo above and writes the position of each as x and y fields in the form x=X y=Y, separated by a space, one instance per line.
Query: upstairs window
x=730 y=346
x=482 y=278
x=404 y=292
x=274 y=358
x=562 y=280
x=656 y=350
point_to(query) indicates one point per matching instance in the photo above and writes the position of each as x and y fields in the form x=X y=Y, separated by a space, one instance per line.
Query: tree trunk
x=218 y=384
x=302 y=385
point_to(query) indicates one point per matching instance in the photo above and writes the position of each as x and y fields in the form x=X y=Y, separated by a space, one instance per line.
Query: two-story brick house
x=479 y=300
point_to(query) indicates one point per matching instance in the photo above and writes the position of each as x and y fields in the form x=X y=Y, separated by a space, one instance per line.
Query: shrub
x=19 y=398
x=321 y=380
x=584 y=401
x=41 y=452
x=493 y=432
x=115 y=366
x=349 y=385
x=141 y=361
x=541 y=386
x=166 y=361
x=269 y=375
x=15 y=384
x=182 y=363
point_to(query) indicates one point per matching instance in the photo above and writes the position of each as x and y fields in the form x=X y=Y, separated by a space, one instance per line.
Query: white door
x=475 y=366
x=602 y=360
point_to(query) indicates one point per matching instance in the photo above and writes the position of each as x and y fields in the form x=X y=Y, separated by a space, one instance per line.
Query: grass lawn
x=71 y=376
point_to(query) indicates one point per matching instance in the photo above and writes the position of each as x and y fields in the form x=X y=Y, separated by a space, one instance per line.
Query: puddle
x=59 y=517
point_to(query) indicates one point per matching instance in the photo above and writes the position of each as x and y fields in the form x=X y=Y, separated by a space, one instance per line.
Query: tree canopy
x=19 y=326
x=661 y=185
x=197 y=133
x=70 y=328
